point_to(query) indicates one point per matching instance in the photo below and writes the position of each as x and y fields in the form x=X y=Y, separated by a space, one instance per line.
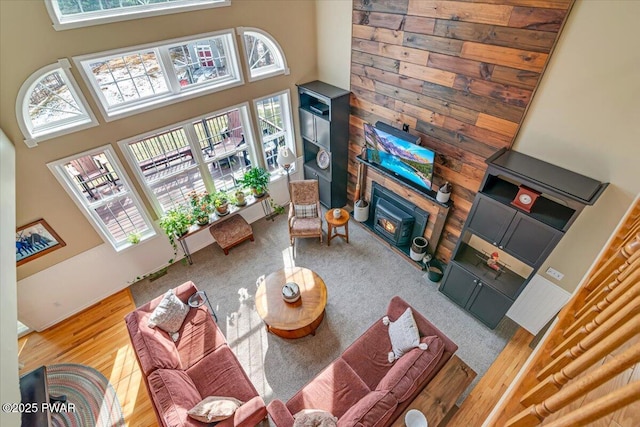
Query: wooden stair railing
x=591 y=349
x=605 y=302
x=575 y=365
x=535 y=414
x=620 y=274
x=627 y=306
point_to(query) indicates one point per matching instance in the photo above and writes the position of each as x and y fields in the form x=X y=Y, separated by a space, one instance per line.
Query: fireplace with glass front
x=393 y=223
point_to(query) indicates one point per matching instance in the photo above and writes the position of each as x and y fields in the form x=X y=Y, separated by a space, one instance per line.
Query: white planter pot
x=418 y=249
x=361 y=214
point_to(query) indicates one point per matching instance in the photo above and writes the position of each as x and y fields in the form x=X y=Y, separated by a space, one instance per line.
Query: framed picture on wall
x=34 y=240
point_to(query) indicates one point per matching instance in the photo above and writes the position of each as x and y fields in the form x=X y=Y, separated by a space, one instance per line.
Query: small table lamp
x=285 y=159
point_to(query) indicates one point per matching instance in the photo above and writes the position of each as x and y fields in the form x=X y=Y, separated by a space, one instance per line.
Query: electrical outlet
x=554 y=273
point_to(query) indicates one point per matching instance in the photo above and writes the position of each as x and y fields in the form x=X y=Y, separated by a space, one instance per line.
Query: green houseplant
x=257 y=179
x=201 y=206
x=221 y=202
x=176 y=222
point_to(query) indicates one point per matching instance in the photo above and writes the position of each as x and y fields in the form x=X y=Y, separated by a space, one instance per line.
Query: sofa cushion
x=199 y=336
x=403 y=334
x=314 y=418
x=173 y=394
x=375 y=409
x=214 y=408
x=412 y=369
x=336 y=389
x=154 y=348
x=169 y=314
x=220 y=374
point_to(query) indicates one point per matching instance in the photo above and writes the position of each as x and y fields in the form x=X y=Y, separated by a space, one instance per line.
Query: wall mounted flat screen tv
x=406 y=160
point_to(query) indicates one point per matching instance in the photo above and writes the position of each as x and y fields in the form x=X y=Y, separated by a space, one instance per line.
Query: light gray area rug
x=361 y=278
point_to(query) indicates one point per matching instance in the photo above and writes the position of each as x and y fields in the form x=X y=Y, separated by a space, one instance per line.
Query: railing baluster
x=577 y=360
x=616 y=277
x=626 y=250
x=616 y=314
x=595 y=309
x=535 y=414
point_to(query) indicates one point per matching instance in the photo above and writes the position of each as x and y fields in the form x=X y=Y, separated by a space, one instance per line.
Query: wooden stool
x=231 y=232
x=333 y=223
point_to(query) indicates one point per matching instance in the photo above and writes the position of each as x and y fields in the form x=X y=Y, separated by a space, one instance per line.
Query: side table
x=198 y=299
x=333 y=223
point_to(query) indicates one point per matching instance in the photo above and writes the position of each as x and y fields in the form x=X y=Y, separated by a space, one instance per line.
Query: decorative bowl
x=291 y=292
x=415 y=418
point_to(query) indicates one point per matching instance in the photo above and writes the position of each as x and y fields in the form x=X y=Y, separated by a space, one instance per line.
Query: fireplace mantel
x=424 y=199
x=428 y=194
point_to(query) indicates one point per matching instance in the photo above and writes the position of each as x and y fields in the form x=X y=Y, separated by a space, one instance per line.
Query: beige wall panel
x=584 y=117
x=29 y=42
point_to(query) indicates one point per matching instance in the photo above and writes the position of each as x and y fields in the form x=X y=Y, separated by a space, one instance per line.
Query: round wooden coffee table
x=292 y=320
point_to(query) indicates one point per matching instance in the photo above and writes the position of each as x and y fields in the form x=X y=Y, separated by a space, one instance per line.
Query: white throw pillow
x=214 y=408
x=314 y=418
x=404 y=335
x=169 y=314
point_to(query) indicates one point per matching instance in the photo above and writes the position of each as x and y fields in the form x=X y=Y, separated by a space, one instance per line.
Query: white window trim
x=175 y=93
x=61 y=23
x=275 y=48
x=57 y=168
x=32 y=138
x=244 y=110
x=288 y=117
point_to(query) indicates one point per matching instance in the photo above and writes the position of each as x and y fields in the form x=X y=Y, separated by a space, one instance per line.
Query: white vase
x=361 y=213
x=418 y=248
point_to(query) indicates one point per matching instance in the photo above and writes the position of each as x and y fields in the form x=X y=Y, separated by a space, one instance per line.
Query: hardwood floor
x=477 y=406
x=98 y=337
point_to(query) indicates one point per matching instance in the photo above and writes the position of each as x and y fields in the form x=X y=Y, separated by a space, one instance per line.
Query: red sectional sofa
x=200 y=364
x=361 y=387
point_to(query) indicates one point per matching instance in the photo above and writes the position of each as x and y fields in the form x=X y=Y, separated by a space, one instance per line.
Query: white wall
x=53 y=294
x=584 y=117
x=333 y=26
x=9 y=388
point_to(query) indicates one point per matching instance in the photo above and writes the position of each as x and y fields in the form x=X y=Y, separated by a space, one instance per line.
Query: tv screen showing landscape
x=411 y=162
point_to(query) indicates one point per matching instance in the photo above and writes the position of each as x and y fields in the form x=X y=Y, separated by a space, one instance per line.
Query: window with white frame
x=209 y=153
x=67 y=14
x=49 y=104
x=128 y=81
x=97 y=183
x=276 y=127
x=263 y=54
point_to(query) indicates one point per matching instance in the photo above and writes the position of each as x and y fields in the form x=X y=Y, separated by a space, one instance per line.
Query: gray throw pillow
x=404 y=335
x=169 y=314
x=314 y=418
x=306 y=211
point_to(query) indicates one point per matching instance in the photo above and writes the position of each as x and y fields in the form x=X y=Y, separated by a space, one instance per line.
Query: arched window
x=263 y=54
x=50 y=104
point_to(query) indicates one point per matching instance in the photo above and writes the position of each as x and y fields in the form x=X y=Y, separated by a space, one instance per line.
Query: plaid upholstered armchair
x=305 y=217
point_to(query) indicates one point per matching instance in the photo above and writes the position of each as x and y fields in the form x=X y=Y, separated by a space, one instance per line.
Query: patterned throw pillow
x=306 y=211
x=314 y=418
x=404 y=335
x=214 y=408
x=169 y=314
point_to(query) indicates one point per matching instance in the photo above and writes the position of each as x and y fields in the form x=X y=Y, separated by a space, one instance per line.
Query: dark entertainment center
x=497 y=226
x=324 y=126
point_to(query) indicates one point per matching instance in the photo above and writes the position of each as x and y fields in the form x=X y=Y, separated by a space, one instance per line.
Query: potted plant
x=175 y=223
x=134 y=237
x=239 y=198
x=257 y=179
x=201 y=206
x=221 y=202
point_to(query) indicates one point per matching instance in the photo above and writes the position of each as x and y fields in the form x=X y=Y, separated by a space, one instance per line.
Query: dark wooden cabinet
x=495 y=225
x=324 y=127
x=527 y=239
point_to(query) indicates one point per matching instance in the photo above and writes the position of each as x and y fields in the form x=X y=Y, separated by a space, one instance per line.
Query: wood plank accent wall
x=460 y=73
